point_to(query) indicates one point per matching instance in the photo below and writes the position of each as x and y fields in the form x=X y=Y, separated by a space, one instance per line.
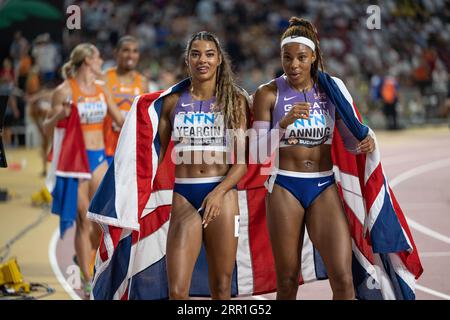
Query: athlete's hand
x=367 y=145
x=299 y=110
x=212 y=206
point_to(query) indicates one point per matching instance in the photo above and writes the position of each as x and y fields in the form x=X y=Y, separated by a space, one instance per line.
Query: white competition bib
x=313 y=131
x=198 y=125
x=91 y=110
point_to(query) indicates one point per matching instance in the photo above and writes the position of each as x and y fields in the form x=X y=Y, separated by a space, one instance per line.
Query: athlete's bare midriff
x=93 y=140
x=303 y=159
x=201 y=169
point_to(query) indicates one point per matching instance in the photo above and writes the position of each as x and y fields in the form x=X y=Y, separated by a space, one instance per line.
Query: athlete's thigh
x=82 y=198
x=285 y=222
x=329 y=230
x=184 y=239
x=97 y=177
x=220 y=236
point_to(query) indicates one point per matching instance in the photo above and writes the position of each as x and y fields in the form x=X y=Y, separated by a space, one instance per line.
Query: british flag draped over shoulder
x=133 y=206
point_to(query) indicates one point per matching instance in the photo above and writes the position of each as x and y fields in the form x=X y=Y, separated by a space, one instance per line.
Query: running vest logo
x=184 y=105
x=320 y=96
x=322 y=183
x=290 y=98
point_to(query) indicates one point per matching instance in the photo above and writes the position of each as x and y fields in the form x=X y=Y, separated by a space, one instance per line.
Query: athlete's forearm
x=349 y=140
x=116 y=115
x=50 y=123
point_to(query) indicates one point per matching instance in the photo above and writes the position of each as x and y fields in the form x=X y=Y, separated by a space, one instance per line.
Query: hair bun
x=294 y=21
x=300 y=22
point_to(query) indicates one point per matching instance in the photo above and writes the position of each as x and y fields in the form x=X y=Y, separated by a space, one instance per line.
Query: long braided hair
x=227 y=92
x=303 y=28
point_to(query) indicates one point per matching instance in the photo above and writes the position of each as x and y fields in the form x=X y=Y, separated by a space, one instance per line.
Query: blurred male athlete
x=125 y=83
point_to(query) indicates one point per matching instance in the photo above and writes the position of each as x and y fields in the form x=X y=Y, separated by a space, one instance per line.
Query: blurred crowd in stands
x=400 y=69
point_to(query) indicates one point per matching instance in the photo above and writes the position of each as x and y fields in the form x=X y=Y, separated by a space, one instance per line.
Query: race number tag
x=198 y=125
x=91 y=110
x=312 y=131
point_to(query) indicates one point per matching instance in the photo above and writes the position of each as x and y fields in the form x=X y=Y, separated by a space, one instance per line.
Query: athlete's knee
x=82 y=220
x=177 y=292
x=221 y=286
x=287 y=283
x=342 y=284
x=95 y=235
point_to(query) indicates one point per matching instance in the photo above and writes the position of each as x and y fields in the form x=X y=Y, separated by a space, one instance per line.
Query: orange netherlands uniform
x=123 y=94
x=92 y=108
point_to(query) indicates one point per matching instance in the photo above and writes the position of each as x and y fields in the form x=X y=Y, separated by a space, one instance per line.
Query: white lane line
x=405 y=158
x=415 y=172
x=395 y=160
x=417 y=226
x=433 y=292
x=420 y=170
x=427 y=231
x=56 y=270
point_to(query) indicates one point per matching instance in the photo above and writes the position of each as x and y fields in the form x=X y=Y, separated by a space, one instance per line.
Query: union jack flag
x=133 y=205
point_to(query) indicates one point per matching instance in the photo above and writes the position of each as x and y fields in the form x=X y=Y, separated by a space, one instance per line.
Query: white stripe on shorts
x=199 y=180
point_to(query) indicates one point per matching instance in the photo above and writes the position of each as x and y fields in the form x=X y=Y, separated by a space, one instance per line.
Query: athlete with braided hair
x=205 y=203
x=302 y=190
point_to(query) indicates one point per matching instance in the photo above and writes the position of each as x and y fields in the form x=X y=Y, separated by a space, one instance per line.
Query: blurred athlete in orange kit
x=125 y=83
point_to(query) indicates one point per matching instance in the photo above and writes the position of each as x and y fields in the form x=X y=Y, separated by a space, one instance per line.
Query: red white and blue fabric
x=69 y=163
x=134 y=199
